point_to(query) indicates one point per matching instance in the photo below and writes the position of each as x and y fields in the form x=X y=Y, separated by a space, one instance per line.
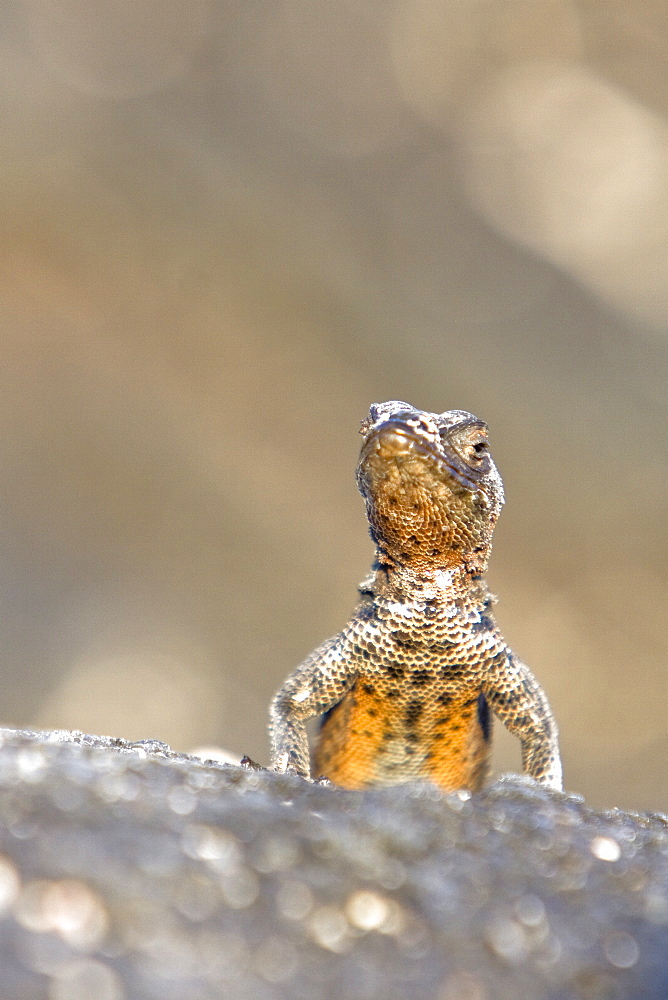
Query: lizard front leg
x=515 y=696
x=314 y=687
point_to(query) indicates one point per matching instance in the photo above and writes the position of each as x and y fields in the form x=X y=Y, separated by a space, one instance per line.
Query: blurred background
x=227 y=228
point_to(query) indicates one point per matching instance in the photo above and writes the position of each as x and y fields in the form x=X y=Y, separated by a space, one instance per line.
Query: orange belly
x=367 y=740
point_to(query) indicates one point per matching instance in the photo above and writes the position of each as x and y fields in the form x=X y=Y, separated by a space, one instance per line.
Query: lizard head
x=432 y=491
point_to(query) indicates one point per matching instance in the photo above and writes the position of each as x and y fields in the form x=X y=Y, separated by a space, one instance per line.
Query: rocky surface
x=130 y=872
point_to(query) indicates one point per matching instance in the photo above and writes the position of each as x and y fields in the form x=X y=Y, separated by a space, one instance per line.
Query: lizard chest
x=413 y=713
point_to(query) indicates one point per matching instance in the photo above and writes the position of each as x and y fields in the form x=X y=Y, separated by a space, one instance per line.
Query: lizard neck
x=443 y=585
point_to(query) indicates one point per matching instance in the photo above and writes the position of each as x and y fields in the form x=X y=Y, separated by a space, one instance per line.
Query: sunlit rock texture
x=130 y=872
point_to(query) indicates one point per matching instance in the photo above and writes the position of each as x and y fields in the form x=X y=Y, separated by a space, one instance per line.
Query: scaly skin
x=406 y=687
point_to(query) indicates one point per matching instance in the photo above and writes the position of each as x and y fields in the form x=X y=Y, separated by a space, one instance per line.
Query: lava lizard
x=405 y=689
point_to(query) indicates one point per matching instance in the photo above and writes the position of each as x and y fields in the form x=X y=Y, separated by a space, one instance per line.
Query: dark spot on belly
x=394 y=670
x=484 y=717
x=414 y=710
x=419 y=678
x=368 y=689
x=454 y=669
x=444 y=699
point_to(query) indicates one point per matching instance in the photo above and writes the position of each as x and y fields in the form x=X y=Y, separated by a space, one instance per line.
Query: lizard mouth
x=394 y=438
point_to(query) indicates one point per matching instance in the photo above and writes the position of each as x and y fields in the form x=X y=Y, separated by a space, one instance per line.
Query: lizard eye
x=472 y=445
x=479 y=449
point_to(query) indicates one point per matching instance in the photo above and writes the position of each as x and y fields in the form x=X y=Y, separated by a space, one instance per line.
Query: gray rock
x=130 y=872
